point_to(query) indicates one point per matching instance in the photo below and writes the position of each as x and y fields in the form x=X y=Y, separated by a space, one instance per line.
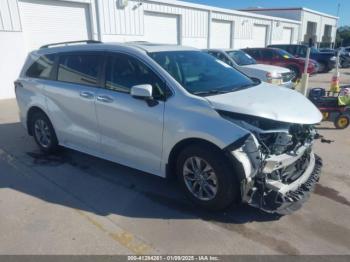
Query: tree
x=343 y=36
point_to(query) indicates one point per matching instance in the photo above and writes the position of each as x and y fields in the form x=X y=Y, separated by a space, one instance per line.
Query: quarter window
x=42 y=67
x=124 y=71
x=79 y=69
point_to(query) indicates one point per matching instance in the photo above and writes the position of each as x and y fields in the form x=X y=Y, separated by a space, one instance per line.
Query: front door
x=131 y=129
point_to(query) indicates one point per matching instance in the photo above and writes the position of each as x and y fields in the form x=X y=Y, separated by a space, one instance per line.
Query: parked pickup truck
x=245 y=63
x=326 y=60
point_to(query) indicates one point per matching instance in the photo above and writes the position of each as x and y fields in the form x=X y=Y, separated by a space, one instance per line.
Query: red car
x=279 y=57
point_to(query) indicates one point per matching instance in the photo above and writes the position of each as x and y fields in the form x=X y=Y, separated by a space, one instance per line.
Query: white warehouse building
x=320 y=27
x=28 y=24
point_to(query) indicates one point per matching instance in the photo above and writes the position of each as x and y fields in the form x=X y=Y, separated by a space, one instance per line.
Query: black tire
x=52 y=142
x=227 y=182
x=323 y=67
x=296 y=72
x=342 y=121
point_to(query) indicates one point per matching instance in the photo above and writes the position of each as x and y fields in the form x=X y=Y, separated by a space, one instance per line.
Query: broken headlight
x=274 y=137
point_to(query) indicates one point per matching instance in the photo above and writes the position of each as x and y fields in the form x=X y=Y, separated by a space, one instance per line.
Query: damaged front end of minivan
x=279 y=165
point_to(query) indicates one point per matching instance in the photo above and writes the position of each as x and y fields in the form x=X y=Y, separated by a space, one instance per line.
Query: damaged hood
x=270 y=102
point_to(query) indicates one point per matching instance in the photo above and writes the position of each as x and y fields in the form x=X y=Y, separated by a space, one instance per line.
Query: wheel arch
x=181 y=145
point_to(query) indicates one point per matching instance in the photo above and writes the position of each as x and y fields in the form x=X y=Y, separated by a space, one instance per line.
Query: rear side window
x=42 y=67
x=79 y=69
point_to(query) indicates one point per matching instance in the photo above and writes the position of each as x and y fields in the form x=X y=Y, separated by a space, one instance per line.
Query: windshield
x=241 y=58
x=200 y=73
x=284 y=53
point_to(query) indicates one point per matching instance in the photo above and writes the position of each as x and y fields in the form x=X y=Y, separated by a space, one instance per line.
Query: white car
x=245 y=63
x=174 y=111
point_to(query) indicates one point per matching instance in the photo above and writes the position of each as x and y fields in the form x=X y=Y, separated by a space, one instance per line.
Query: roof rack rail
x=72 y=42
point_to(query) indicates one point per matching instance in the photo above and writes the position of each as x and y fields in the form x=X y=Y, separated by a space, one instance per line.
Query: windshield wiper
x=210 y=92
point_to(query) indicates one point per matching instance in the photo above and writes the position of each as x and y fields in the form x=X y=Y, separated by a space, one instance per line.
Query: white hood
x=268 y=68
x=268 y=101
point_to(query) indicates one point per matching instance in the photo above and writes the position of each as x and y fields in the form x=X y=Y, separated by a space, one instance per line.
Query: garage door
x=287 y=35
x=221 y=34
x=49 y=21
x=161 y=28
x=259 y=36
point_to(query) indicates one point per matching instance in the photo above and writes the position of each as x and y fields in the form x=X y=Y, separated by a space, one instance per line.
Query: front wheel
x=207 y=179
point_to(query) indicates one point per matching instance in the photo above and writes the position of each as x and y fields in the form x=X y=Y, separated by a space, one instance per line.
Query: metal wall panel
x=9 y=16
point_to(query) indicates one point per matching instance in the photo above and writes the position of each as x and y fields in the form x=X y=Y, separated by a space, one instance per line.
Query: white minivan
x=174 y=111
x=243 y=62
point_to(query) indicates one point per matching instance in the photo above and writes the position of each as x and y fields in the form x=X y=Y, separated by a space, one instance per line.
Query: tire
x=222 y=177
x=43 y=133
x=342 y=121
x=296 y=72
x=323 y=68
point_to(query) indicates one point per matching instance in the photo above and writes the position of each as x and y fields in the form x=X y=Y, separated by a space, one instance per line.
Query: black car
x=326 y=60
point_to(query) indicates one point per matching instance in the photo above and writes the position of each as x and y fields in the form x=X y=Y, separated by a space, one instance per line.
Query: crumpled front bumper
x=260 y=190
x=286 y=198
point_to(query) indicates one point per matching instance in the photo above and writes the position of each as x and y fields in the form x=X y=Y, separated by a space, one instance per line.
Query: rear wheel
x=43 y=132
x=342 y=122
x=207 y=179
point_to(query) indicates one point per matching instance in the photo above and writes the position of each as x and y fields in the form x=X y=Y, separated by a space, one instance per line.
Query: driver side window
x=124 y=71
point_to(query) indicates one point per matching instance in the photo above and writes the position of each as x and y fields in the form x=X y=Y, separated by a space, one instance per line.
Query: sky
x=326 y=6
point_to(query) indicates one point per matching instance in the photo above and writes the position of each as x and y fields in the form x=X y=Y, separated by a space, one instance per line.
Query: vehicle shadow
x=80 y=181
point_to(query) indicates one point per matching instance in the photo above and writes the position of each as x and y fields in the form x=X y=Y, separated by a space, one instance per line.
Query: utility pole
x=336 y=27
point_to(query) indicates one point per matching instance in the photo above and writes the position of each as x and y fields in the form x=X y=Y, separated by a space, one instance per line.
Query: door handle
x=105 y=99
x=86 y=94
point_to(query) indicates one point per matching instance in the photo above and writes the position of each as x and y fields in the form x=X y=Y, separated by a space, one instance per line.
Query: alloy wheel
x=42 y=133
x=200 y=178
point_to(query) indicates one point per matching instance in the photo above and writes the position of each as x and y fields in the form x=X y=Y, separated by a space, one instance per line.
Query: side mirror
x=144 y=92
x=141 y=91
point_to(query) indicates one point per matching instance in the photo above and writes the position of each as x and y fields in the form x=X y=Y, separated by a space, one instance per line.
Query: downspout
x=209 y=28
x=99 y=31
x=271 y=30
x=301 y=27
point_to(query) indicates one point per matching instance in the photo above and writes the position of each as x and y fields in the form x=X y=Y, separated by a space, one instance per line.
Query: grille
x=286 y=77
